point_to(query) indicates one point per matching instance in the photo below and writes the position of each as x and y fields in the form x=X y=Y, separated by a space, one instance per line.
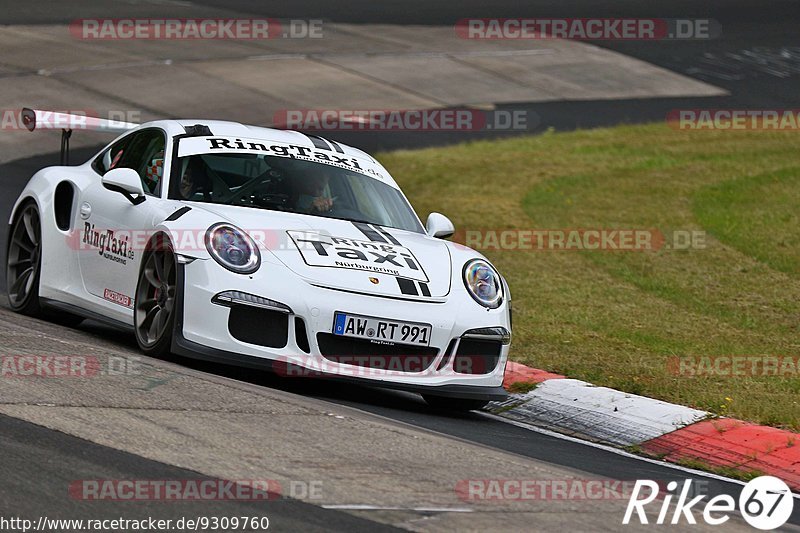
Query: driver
x=315 y=192
x=194 y=178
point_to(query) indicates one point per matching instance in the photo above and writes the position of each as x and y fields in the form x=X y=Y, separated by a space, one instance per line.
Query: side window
x=145 y=155
x=111 y=157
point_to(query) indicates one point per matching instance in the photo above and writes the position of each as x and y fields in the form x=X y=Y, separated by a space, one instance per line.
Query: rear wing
x=34 y=119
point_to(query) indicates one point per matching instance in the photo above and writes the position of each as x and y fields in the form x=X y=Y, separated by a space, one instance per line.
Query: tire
x=454 y=404
x=154 y=307
x=24 y=260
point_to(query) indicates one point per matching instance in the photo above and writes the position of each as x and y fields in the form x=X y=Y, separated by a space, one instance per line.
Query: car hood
x=344 y=255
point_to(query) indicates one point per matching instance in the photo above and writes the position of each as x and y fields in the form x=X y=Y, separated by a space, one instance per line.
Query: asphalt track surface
x=36 y=464
x=755 y=60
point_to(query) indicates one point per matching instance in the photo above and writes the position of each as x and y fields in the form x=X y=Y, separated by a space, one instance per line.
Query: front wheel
x=154 y=308
x=454 y=404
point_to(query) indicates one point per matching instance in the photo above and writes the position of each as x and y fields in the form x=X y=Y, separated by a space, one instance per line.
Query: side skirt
x=80 y=311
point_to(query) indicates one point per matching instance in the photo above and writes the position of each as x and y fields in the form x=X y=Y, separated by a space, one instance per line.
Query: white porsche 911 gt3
x=263 y=248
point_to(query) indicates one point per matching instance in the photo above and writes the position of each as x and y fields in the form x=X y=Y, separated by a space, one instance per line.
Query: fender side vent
x=62 y=205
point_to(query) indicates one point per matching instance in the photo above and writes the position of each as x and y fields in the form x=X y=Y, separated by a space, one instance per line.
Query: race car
x=259 y=247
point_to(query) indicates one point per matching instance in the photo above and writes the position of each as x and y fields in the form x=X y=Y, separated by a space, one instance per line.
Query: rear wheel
x=24 y=260
x=23 y=268
x=454 y=404
x=154 y=309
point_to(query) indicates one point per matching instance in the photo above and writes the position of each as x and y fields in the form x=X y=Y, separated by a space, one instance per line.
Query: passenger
x=153 y=173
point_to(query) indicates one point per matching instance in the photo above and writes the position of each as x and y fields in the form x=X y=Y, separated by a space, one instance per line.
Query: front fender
x=187 y=232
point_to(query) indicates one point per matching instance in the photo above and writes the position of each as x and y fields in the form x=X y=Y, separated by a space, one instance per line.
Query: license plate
x=381 y=330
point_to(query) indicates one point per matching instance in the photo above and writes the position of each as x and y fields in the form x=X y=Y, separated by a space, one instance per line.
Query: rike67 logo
x=766 y=503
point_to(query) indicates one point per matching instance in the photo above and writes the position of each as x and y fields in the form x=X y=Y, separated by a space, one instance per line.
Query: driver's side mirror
x=125 y=181
x=439 y=226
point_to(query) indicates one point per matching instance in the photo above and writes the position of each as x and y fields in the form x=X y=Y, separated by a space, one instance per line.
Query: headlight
x=483 y=283
x=233 y=248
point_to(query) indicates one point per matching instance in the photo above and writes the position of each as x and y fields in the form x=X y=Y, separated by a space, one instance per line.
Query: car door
x=112 y=230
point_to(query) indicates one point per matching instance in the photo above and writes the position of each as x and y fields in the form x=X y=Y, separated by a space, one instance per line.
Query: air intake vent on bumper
x=475 y=356
x=263 y=327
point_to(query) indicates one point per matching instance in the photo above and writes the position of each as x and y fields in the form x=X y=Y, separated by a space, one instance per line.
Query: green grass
x=773 y=199
x=616 y=318
x=522 y=387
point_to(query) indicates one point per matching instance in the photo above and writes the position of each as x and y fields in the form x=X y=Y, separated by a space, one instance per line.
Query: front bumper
x=202 y=330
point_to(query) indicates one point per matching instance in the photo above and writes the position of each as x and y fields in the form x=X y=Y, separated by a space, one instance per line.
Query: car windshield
x=291 y=185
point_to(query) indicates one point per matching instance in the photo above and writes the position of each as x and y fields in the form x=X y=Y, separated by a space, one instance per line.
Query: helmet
x=155 y=170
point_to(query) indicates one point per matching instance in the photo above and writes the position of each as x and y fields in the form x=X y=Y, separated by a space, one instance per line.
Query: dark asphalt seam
x=373 y=79
x=494 y=73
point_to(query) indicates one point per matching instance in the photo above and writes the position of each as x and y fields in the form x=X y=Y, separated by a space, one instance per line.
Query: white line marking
x=366 y=507
x=104 y=66
x=474 y=53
